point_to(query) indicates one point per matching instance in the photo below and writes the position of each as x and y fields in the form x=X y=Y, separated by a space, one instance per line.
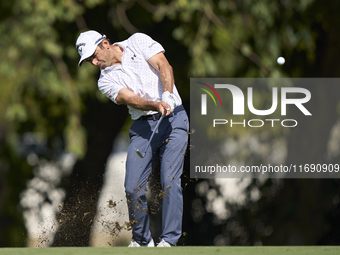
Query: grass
x=180 y=250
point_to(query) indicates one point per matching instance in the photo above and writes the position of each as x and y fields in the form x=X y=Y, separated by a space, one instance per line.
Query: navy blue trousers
x=169 y=147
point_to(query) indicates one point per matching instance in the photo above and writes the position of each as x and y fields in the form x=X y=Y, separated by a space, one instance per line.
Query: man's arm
x=127 y=97
x=161 y=64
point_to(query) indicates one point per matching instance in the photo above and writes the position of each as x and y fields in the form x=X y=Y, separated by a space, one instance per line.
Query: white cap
x=87 y=44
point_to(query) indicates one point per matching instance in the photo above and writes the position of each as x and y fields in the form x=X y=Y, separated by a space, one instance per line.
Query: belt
x=157 y=116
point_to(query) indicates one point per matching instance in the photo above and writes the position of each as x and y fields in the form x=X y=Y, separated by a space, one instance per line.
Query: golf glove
x=168 y=98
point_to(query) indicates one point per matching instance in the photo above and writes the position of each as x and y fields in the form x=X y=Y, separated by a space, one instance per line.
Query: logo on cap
x=79 y=45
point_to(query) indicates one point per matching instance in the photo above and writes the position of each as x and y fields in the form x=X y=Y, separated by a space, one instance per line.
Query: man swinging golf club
x=136 y=73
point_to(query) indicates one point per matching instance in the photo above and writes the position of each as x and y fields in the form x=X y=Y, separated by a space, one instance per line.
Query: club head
x=139 y=153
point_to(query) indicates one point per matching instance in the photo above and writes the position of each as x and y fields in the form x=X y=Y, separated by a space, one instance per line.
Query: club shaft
x=153 y=133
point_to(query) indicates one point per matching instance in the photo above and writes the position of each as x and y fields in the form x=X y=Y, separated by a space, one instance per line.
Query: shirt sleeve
x=146 y=45
x=109 y=87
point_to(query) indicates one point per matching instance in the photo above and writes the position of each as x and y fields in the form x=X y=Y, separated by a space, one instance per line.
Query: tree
x=43 y=93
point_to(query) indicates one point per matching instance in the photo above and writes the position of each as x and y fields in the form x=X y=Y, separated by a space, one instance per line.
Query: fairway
x=188 y=250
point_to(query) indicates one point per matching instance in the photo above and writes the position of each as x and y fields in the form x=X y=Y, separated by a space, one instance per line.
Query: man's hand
x=168 y=98
x=161 y=106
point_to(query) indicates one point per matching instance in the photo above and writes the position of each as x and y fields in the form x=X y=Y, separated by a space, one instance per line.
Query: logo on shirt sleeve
x=152 y=44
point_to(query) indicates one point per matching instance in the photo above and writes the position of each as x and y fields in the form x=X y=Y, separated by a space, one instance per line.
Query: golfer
x=136 y=73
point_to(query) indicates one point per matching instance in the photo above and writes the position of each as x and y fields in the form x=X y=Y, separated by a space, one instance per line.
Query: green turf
x=187 y=250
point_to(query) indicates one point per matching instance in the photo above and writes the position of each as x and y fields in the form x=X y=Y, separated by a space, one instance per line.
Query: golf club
x=153 y=133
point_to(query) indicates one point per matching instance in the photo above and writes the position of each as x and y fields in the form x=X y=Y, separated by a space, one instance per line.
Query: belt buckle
x=154 y=117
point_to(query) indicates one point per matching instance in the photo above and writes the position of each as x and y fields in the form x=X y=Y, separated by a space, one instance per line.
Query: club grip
x=164 y=113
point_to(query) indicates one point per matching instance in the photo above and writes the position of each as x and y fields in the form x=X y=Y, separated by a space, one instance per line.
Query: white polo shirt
x=135 y=73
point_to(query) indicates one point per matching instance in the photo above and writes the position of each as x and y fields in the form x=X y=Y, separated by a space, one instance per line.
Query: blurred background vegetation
x=49 y=107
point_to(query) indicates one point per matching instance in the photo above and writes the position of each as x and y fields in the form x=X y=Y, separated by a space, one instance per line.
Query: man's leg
x=172 y=159
x=136 y=179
